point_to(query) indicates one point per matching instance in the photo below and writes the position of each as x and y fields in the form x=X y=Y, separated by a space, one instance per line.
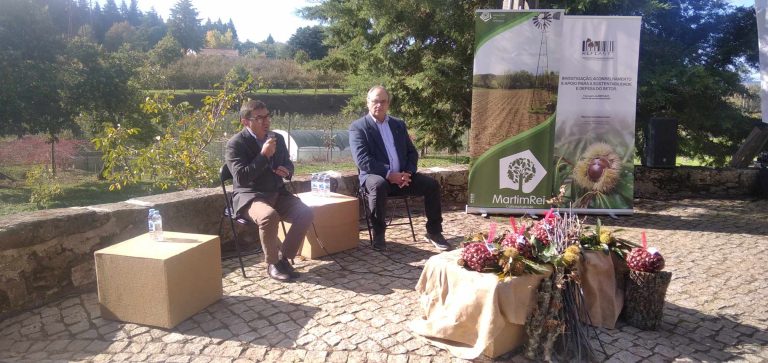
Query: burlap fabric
x=464 y=311
x=603 y=291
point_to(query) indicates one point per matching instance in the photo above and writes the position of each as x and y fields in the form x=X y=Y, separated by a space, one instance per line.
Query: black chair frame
x=362 y=197
x=225 y=175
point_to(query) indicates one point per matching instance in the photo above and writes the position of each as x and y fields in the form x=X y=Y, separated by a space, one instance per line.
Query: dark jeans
x=379 y=188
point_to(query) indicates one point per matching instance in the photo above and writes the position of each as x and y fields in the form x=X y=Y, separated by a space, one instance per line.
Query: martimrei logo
x=521 y=171
x=598 y=48
x=485 y=16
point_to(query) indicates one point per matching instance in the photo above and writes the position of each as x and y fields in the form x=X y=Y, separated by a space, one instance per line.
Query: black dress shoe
x=379 y=242
x=438 y=241
x=286 y=266
x=276 y=272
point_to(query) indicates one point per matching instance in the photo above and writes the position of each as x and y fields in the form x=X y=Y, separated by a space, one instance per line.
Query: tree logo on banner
x=521 y=171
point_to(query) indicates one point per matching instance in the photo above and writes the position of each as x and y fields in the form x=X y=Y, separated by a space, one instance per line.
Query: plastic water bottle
x=326 y=185
x=157 y=221
x=151 y=224
x=315 y=184
x=321 y=184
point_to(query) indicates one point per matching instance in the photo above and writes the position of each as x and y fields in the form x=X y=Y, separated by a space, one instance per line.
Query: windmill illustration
x=542 y=82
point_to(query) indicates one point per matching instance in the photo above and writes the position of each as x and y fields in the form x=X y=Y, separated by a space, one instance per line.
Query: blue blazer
x=369 y=151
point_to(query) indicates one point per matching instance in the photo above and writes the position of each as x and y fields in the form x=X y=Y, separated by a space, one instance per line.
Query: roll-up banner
x=514 y=93
x=595 y=132
x=526 y=159
x=762 y=35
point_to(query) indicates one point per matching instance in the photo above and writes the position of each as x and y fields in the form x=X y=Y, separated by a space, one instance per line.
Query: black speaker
x=661 y=143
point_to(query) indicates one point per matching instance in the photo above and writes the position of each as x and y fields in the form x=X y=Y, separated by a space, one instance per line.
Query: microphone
x=271 y=135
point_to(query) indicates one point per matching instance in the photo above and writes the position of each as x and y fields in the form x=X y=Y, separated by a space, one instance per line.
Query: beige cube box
x=159 y=283
x=336 y=217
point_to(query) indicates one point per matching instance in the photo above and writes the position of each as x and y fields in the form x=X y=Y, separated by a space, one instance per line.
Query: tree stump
x=644 y=298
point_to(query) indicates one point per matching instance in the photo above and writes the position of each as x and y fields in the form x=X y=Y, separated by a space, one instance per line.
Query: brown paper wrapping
x=603 y=292
x=465 y=311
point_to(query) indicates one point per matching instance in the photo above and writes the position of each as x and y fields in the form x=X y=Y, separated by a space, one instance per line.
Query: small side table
x=336 y=222
x=159 y=283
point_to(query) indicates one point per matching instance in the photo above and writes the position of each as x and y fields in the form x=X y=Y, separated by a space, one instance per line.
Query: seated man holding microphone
x=258 y=160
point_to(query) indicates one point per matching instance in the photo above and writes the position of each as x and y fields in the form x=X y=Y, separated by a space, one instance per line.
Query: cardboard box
x=336 y=222
x=159 y=283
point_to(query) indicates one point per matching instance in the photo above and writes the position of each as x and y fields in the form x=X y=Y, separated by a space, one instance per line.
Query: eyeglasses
x=260 y=118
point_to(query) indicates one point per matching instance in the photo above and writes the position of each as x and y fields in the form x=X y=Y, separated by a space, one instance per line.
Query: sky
x=254 y=20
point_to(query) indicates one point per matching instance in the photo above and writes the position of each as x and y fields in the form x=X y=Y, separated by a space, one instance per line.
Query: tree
x=29 y=70
x=215 y=39
x=119 y=34
x=152 y=29
x=420 y=50
x=184 y=25
x=178 y=155
x=133 y=16
x=310 y=40
x=167 y=51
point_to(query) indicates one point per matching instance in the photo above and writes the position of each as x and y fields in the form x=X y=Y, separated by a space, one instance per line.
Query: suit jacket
x=370 y=153
x=252 y=176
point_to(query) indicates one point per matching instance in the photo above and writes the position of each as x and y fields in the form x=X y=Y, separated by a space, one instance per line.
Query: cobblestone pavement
x=716 y=307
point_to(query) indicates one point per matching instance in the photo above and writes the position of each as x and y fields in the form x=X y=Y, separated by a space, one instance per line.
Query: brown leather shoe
x=276 y=272
x=287 y=267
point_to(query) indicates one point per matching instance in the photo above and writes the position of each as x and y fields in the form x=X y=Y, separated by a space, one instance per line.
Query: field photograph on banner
x=595 y=128
x=514 y=98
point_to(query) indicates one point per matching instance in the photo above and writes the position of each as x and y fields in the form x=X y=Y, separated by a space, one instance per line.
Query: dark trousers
x=379 y=188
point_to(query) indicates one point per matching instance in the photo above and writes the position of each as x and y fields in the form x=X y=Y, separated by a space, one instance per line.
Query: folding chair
x=225 y=175
x=362 y=197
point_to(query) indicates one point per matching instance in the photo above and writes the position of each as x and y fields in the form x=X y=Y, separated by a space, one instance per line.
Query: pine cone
x=645 y=260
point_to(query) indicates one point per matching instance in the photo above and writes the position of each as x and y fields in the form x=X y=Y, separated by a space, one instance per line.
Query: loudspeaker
x=661 y=143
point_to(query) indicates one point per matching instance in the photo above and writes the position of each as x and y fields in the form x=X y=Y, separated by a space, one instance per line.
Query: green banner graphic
x=514 y=97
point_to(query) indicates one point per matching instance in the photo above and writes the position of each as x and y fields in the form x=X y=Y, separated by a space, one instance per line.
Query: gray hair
x=376 y=88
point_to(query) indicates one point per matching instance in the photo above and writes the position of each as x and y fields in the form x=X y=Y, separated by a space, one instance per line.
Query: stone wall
x=692 y=182
x=46 y=255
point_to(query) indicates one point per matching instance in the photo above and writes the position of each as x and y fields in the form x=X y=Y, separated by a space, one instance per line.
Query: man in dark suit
x=259 y=161
x=387 y=160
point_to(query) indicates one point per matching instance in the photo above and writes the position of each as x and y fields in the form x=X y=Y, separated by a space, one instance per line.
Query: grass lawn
x=81 y=188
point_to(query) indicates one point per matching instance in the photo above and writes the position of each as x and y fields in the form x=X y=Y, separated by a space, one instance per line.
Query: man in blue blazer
x=258 y=160
x=387 y=160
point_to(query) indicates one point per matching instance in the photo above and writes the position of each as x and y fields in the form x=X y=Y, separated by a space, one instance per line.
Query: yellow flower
x=606 y=237
x=570 y=258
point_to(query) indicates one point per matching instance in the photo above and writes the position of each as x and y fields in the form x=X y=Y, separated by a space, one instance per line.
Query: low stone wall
x=49 y=254
x=692 y=182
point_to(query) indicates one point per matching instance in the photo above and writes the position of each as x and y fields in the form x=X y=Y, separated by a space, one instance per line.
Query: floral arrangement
x=603 y=239
x=526 y=247
x=553 y=243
